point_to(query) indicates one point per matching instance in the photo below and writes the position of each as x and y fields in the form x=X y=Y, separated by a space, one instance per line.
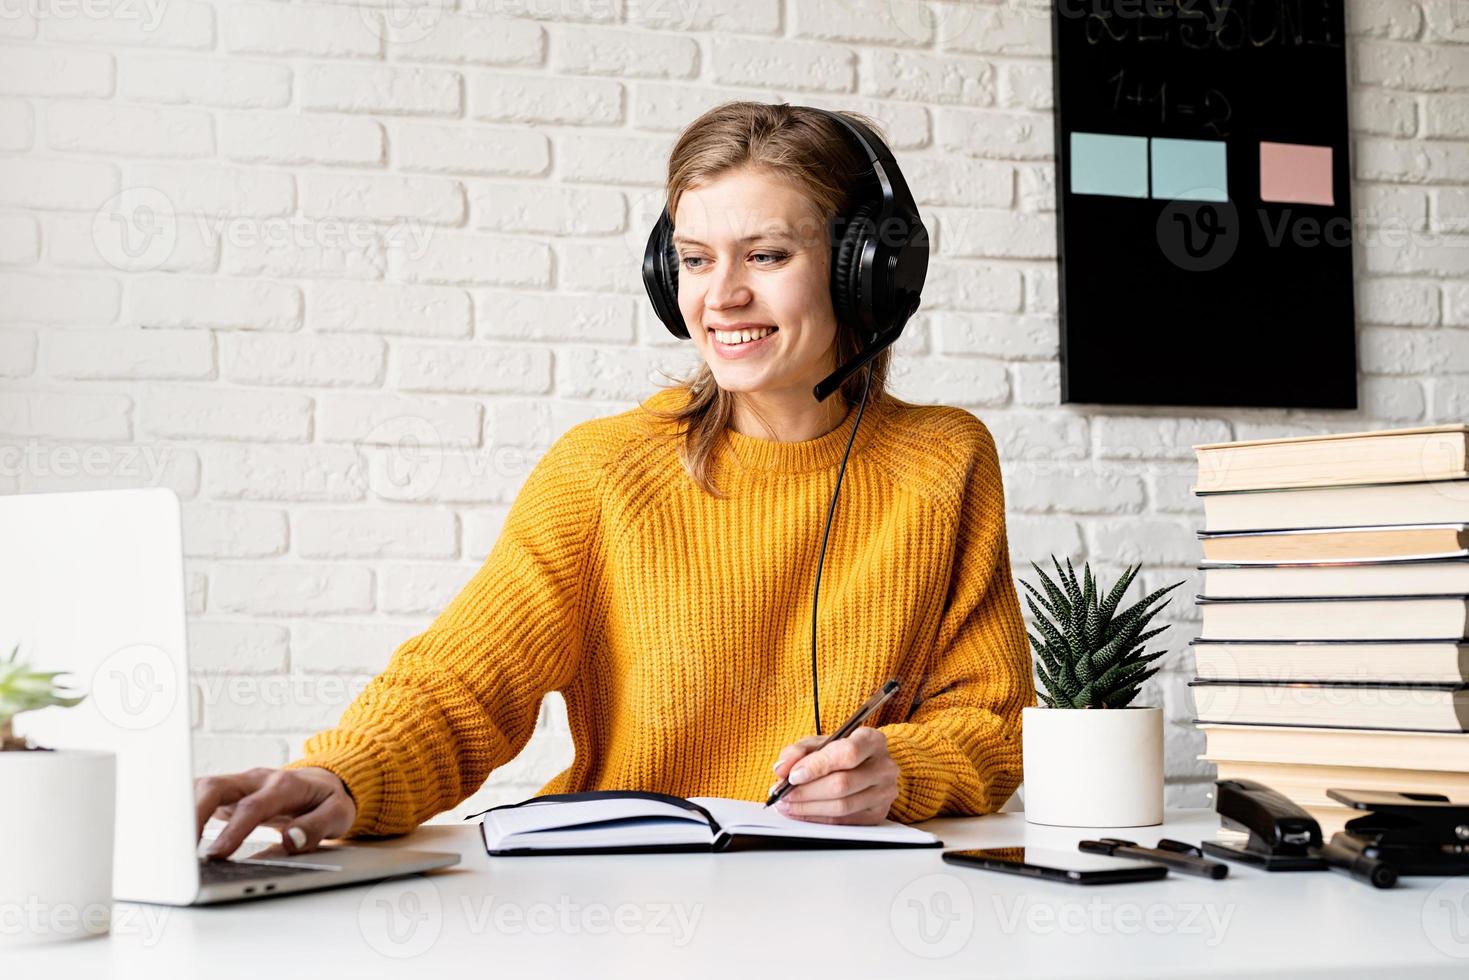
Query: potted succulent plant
x=1092 y=758
x=56 y=823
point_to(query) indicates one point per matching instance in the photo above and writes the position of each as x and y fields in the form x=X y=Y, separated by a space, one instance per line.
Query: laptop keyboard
x=214 y=872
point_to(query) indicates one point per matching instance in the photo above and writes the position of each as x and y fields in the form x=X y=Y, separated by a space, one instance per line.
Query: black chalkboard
x=1183 y=301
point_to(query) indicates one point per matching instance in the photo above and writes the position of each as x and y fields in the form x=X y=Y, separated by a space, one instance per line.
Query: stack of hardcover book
x=1334 y=652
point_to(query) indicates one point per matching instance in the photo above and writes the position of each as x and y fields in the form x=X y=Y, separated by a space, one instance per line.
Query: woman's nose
x=727 y=288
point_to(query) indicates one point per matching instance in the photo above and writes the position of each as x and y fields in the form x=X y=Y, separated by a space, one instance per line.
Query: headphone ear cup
x=846 y=263
x=670 y=285
x=660 y=276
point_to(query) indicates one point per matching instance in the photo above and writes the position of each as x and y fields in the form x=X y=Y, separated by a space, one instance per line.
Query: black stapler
x=1415 y=833
x=1284 y=837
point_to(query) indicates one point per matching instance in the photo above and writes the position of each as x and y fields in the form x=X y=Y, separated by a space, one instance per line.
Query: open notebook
x=632 y=821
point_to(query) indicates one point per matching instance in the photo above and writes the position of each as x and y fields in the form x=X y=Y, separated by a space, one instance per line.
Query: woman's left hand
x=852 y=780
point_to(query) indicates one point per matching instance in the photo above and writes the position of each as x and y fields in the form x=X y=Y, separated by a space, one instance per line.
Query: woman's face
x=779 y=276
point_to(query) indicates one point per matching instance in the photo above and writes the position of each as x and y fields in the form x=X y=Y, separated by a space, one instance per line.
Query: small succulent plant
x=23 y=689
x=1089 y=655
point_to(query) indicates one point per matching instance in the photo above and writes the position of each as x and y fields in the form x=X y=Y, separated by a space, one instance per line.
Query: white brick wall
x=273 y=254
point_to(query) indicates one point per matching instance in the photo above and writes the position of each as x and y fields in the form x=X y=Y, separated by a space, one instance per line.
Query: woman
x=657 y=566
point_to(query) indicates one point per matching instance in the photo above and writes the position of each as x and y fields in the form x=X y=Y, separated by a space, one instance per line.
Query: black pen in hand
x=861 y=715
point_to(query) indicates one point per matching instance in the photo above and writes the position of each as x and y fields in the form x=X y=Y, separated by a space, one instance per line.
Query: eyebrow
x=777 y=235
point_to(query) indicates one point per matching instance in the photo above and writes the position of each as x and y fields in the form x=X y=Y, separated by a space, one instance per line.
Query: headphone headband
x=878 y=266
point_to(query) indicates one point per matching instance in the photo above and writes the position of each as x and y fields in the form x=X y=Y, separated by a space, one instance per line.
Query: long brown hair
x=817 y=156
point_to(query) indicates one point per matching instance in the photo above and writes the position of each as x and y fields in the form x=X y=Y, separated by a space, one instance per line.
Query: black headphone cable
x=861 y=407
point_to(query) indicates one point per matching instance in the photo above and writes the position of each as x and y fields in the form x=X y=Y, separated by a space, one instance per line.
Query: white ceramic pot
x=56 y=827
x=1093 y=767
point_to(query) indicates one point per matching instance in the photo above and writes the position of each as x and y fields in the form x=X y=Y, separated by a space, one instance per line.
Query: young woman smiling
x=656 y=566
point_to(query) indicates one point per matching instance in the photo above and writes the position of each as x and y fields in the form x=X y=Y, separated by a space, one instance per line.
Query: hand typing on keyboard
x=306 y=805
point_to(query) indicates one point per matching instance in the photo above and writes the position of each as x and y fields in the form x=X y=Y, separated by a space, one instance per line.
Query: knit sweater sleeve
x=461 y=698
x=959 y=751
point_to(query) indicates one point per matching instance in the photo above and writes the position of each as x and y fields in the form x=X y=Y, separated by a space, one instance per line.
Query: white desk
x=824 y=914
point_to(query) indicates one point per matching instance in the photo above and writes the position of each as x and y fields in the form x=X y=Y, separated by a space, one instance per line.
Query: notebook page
x=746 y=817
x=535 y=818
x=622 y=833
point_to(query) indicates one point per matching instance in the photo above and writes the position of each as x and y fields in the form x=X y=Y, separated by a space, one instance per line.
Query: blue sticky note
x=1190 y=170
x=1116 y=166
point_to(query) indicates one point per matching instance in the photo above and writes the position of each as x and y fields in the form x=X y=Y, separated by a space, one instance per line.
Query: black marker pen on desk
x=1177 y=855
x=850 y=726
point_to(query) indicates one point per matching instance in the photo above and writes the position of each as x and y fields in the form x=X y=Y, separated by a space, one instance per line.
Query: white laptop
x=92 y=583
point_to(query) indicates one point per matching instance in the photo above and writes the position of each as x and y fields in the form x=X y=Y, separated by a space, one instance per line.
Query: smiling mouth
x=737 y=338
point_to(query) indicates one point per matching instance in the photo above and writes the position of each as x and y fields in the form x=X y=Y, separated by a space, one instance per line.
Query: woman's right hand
x=306 y=805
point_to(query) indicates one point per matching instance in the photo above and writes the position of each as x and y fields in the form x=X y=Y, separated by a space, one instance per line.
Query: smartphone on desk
x=1073 y=867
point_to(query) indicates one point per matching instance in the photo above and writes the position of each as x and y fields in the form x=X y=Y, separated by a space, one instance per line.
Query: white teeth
x=742 y=336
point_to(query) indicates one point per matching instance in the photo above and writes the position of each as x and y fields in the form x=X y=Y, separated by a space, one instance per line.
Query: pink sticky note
x=1294 y=173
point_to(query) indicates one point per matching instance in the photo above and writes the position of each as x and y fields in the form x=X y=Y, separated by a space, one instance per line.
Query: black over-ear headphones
x=878 y=266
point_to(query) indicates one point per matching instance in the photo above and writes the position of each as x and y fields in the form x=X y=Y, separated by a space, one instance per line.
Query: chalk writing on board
x=1164 y=103
x=1222 y=25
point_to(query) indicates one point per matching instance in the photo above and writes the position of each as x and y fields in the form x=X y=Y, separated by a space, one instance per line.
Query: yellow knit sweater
x=678 y=626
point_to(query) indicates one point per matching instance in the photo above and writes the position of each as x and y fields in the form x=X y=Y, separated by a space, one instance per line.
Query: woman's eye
x=774 y=257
